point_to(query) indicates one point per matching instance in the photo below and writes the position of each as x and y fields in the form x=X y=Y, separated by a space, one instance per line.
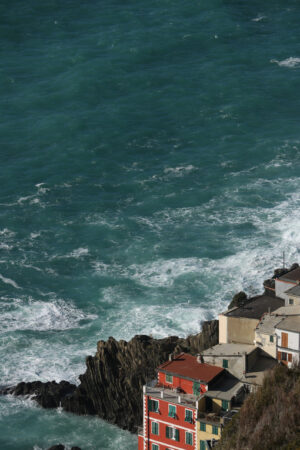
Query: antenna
x=283 y=259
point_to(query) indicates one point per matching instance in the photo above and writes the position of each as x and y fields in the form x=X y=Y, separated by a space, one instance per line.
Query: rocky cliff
x=112 y=385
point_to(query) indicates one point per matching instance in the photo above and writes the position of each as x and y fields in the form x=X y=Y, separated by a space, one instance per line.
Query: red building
x=171 y=403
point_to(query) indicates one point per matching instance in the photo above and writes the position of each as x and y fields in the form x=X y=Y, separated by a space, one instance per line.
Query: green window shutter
x=154 y=447
x=196 y=388
x=271 y=338
x=169 y=378
x=202 y=445
x=168 y=432
x=188 y=438
x=214 y=430
x=188 y=416
x=176 y=435
x=202 y=426
x=172 y=411
x=225 y=405
x=225 y=363
x=154 y=428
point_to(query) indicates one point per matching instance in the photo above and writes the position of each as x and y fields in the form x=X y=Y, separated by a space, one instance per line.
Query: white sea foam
x=291 y=62
x=163 y=272
x=259 y=18
x=30 y=314
x=79 y=252
x=9 y=281
x=180 y=170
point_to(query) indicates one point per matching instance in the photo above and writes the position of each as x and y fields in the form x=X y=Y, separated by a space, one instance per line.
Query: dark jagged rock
x=57 y=447
x=239 y=299
x=112 y=385
x=48 y=395
x=62 y=447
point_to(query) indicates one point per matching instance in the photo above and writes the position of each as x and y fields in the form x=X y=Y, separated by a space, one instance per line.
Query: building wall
x=208 y=434
x=295 y=298
x=241 y=330
x=236 y=364
x=281 y=287
x=185 y=385
x=163 y=420
x=222 y=329
x=293 y=339
x=265 y=344
x=140 y=442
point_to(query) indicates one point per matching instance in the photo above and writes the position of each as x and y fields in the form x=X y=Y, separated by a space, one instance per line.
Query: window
x=196 y=388
x=153 y=405
x=283 y=356
x=155 y=447
x=188 y=416
x=154 y=428
x=172 y=411
x=172 y=433
x=169 y=378
x=202 y=445
x=225 y=363
x=291 y=301
x=188 y=438
x=225 y=404
x=271 y=338
x=202 y=426
x=214 y=429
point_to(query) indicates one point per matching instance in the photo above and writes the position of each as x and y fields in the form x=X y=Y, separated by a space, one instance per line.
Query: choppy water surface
x=150 y=157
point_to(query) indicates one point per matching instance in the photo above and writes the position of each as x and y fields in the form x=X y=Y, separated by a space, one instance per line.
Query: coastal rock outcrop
x=47 y=395
x=111 y=387
x=112 y=384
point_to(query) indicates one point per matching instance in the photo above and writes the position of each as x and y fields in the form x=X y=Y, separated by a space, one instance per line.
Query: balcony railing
x=152 y=388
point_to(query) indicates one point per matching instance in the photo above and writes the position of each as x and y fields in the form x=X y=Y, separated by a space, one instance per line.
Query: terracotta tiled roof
x=187 y=366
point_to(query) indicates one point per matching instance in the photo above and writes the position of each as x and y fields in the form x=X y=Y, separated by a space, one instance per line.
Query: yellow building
x=207 y=430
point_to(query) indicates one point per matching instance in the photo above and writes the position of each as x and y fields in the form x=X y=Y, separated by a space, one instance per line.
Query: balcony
x=170 y=395
x=222 y=417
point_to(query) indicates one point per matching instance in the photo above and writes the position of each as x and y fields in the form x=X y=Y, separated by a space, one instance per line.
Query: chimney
x=171 y=357
x=200 y=359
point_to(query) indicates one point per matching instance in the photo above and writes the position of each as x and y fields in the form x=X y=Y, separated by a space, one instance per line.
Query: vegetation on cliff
x=270 y=418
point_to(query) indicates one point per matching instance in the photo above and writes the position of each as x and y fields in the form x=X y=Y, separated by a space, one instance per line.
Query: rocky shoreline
x=111 y=386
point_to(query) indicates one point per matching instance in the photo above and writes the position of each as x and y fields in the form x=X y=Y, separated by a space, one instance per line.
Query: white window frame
x=189 y=432
x=186 y=409
x=157 y=423
x=175 y=414
x=171 y=377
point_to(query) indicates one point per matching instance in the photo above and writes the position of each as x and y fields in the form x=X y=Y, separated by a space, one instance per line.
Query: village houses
x=194 y=397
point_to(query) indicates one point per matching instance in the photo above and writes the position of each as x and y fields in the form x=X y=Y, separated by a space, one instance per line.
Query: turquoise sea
x=150 y=169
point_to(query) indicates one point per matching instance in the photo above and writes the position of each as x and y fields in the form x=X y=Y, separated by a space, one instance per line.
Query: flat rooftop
x=293 y=276
x=290 y=324
x=268 y=323
x=225 y=388
x=228 y=350
x=291 y=310
x=256 y=307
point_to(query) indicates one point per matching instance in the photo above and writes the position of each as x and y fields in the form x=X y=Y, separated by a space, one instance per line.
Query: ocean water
x=150 y=156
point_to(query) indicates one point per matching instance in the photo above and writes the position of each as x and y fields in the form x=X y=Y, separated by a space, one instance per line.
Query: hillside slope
x=269 y=418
